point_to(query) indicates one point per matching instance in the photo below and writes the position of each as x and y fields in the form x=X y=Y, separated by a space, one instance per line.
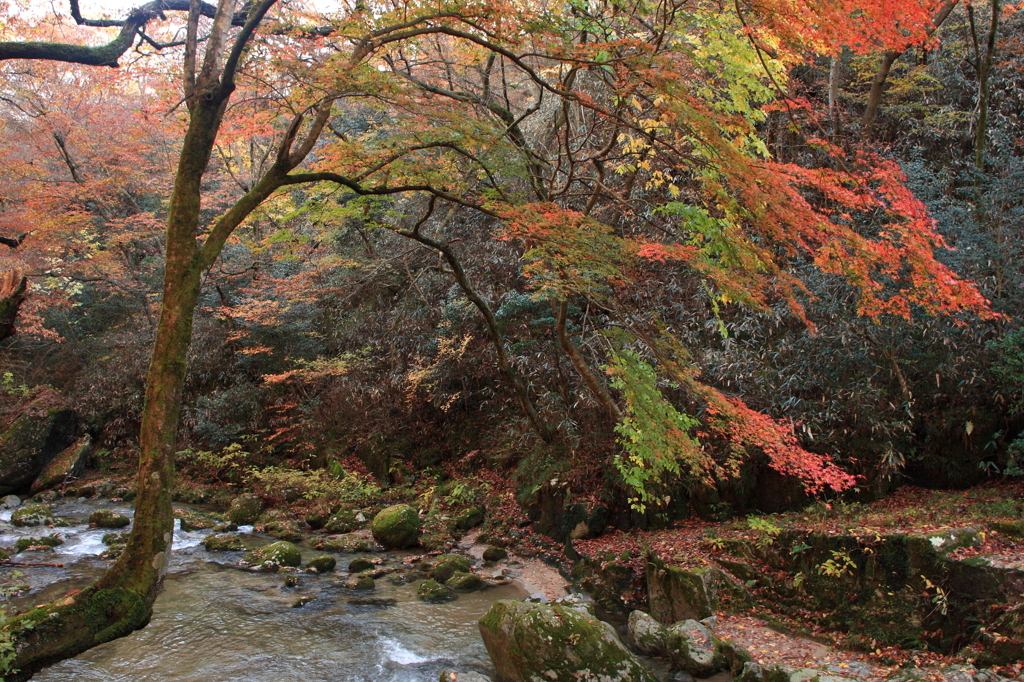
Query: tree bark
x=13 y=288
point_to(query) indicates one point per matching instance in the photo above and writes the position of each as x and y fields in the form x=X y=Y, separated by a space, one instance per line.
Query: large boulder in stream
x=33 y=439
x=32 y=515
x=553 y=643
x=108 y=518
x=275 y=555
x=279 y=524
x=245 y=509
x=397 y=527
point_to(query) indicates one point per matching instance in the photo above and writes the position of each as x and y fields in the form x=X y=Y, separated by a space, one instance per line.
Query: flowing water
x=214 y=622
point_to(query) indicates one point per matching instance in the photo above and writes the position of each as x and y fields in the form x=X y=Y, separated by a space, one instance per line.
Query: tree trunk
x=984 y=94
x=13 y=288
x=878 y=84
x=596 y=386
x=122 y=599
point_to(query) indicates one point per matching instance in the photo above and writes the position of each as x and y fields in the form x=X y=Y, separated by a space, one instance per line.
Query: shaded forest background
x=324 y=339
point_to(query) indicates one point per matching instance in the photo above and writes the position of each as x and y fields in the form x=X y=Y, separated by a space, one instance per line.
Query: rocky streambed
x=216 y=620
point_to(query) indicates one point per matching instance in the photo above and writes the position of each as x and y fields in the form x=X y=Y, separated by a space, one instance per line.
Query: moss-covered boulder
x=359 y=565
x=275 y=555
x=279 y=524
x=67 y=465
x=694 y=648
x=223 y=543
x=108 y=518
x=33 y=439
x=321 y=564
x=448 y=564
x=646 y=634
x=192 y=520
x=434 y=592
x=361 y=583
x=345 y=544
x=47 y=542
x=32 y=515
x=225 y=527
x=529 y=642
x=396 y=527
x=495 y=554
x=469 y=518
x=245 y=509
x=345 y=521
x=465 y=582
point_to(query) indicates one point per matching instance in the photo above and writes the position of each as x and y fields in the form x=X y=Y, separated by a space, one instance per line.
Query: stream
x=214 y=622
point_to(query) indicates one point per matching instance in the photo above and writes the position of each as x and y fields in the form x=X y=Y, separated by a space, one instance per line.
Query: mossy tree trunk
x=122 y=599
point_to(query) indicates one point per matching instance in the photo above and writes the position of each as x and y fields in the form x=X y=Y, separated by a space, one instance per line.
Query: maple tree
x=608 y=141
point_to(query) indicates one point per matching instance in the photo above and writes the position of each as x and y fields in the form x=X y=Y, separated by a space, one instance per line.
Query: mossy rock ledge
x=551 y=643
x=397 y=527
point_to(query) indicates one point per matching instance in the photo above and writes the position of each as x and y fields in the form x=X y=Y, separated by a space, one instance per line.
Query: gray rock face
x=675 y=593
x=67 y=465
x=553 y=643
x=693 y=647
x=30 y=443
x=646 y=634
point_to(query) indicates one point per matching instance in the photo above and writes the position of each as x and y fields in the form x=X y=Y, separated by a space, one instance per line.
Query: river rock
x=360 y=582
x=321 y=564
x=452 y=676
x=396 y=527
x=359 y=565
x=10 y=502
x=432 y=591
x=66 y=466
x=693 y=647
x=112 y=539
x=108 y=518
x=495 y=554
x=470 y=518
x=464 y=582
x=343 y=522
x=32 y=515
x=32 y=440
x=275 y=555
x=279 y=524
x=448 y=564
x=646 y=634
x=245 y=509
x=47 y=542
x=551 y=643
x=223 y=543
x=192 y=521
x=344 y=544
